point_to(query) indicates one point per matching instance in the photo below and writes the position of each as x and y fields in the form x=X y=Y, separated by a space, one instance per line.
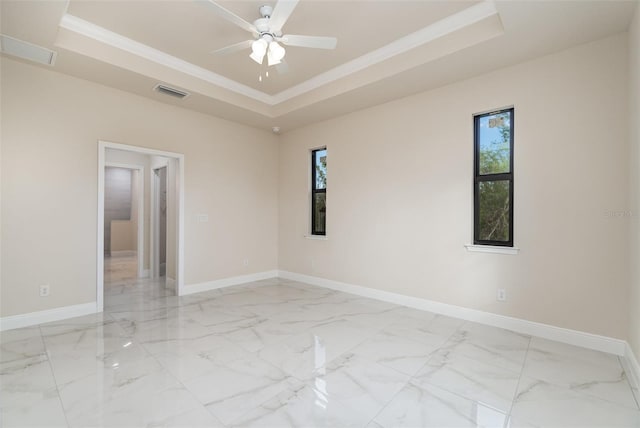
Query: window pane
x=321 y=168
x=494 y=210
x=319 y=213
x=494 y=143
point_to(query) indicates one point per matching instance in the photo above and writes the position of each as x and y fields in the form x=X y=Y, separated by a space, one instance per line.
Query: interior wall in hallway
x=117 y=200
x=137 y=159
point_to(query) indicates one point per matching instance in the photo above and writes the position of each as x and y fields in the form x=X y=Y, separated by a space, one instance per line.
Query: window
x=318 y=191
x=493 y=183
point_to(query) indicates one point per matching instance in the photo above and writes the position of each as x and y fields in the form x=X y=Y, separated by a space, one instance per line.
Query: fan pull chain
x=266 y=74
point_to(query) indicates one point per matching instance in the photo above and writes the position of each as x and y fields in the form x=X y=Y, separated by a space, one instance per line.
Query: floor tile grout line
x=169 y=373
x=578 y=392
x=435 y=351
x=633 y=394
x=415 y=383
x=253 y=354
x=458 y=394
x=515 y=393
x=385 y=405
x=179 y=382
x=53 y=374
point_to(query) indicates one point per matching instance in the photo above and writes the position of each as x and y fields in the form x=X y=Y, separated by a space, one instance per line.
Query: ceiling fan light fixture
x=276 y=51
x=272 y=59
x=258 y=48
x=267 y=29
x=257 y=57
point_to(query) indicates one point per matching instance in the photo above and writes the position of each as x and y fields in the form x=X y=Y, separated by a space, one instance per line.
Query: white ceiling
x=386 y=49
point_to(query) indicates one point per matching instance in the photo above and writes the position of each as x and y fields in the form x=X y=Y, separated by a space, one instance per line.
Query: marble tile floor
x=278 y=353
x=120 y=266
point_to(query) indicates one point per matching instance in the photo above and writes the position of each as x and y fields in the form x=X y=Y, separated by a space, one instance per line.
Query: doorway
x=161 y=229
x=123 y=222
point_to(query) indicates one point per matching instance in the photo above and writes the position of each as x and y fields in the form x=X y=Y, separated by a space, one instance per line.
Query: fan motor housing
x=262 y=25
x=266 y=11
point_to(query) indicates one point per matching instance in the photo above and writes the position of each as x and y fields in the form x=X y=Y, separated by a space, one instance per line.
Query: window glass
x=493 y=180
x=318 y=191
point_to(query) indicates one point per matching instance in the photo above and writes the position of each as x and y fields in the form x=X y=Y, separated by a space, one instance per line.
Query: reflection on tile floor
x=278 y=353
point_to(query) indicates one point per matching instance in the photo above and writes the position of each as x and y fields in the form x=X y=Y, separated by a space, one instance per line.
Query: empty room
x=309 y=213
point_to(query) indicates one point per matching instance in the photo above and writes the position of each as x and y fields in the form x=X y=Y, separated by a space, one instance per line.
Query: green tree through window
x=493 y=195
x=318 y=191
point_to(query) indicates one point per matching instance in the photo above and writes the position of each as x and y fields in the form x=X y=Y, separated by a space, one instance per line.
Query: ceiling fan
x=267 y=32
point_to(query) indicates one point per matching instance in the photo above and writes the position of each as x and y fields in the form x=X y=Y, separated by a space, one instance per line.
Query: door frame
x=179 y=174
x=140 y=231
x=154 y=226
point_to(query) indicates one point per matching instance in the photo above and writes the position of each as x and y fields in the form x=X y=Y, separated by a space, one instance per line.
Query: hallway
x=120 y=266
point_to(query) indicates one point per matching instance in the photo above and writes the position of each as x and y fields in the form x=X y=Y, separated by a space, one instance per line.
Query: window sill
x=317 y=237
x=492 y=249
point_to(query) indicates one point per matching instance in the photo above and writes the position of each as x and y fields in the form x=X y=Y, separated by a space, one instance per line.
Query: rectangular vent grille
x=173 y=92
x=26 y=50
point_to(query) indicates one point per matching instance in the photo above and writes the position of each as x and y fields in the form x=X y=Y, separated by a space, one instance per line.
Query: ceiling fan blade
x=230 y=16
x=281 y=13
x=233 y=48
x=318 y=42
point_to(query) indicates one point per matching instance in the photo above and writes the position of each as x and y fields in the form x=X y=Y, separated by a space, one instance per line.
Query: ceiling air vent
x=26 y=50
x=173 y=92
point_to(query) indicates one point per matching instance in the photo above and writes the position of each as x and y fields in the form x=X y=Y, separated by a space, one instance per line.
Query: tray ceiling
x=386 y=49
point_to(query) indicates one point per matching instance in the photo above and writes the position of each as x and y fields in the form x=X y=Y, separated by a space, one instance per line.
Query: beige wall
x=117 y=200
x=50 y=127
x=399 y=196
x=122 y=235
x=634 y=137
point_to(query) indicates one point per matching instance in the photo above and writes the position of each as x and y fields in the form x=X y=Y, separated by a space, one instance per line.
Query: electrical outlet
x=245 y=262
x=45 y=290
x=502 y=295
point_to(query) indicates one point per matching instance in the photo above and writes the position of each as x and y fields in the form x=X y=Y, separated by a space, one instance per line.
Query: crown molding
x=436 y=30
x=100 y=34
x=404 y=44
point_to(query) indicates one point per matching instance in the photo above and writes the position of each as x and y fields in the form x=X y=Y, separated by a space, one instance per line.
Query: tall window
x=493 y=183
x=319 y=191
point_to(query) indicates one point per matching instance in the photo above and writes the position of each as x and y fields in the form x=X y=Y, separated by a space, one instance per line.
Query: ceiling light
x=259 y=48
x=277 y=51
x=265 y=45
x=256 y=58
x=272 y=59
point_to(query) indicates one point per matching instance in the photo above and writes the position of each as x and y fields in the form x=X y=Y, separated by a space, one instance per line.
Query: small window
x=319 y=191
x=493 y=183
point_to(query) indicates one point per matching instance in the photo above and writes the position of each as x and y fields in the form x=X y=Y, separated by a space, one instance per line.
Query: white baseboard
x=573 y=337
x=227 y=282
x=40 y=317
x=123 y=253
x=632 y=368
x=565 y=335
